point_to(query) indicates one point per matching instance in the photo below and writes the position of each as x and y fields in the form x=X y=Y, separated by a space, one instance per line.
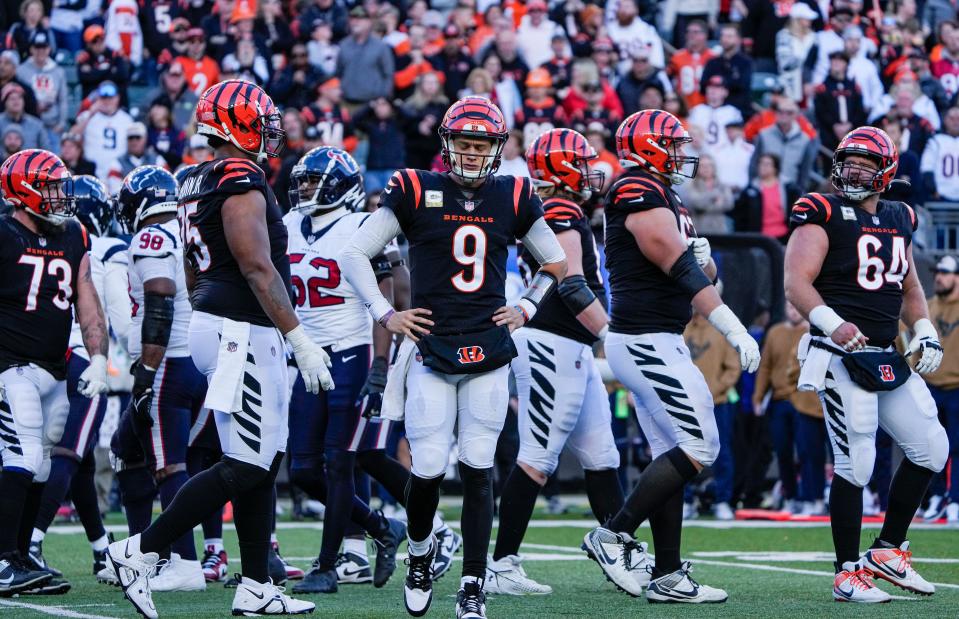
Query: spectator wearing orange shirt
x=540 y=112
x=453 y=62
x=686 y=65
x=434 y=22
x=413 y=64
x=200 y=70
x=767 y=117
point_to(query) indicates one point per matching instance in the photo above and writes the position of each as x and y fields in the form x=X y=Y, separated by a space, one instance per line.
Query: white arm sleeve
x=368 y=241
x=542 y=243
x=117 y=298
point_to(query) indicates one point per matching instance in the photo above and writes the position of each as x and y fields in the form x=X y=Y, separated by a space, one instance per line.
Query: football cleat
x=470 y=599
x=108 y=576
x=895 y=565
x=253 y=599
x=418 y=588
x=507 y=576
x=613 y=552
x=854 y=584
x=178 y=574
x=690 y=511
x=722 y=511
x=352 y=569
x=386 y=548
x=54 y=586
x=679 y=587
x=936 y=509
x=952 y=513
x=317 y=581
x=35 y=556
x=290 y=572
x=134 y=570
x=17 y=575
x=100 y=561
x=214 y=565
x=449 y=543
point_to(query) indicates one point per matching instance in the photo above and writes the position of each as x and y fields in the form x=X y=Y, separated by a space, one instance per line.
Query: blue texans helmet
x=93 y=204
x=182 y=172
x=147 y=191
x=326 y=178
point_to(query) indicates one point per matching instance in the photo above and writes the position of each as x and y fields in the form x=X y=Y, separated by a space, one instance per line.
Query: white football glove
x=93 y=380
x=729 y=325
x=701 y=250
x=312 y=360
x=926 y=342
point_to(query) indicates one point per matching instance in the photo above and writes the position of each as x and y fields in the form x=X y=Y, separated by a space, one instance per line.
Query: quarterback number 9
x=472 y=255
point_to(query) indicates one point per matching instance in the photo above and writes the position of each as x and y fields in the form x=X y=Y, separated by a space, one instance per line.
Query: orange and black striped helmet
x=241 y=113
x=651 y=139
x=477 y=118
x=560 y=158
x=36 y=180
x=856 y=181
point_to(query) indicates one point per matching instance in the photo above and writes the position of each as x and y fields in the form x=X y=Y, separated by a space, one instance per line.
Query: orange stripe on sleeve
x=417 y=189
x=824 y=203
x=517 y=189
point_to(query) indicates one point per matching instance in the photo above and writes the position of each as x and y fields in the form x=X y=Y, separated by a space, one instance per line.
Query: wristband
x=297 y=337
x=825 y=319
x=726 y=321
x=924 y=328
x=527 y=308
x=602 y=332
x=385 y=318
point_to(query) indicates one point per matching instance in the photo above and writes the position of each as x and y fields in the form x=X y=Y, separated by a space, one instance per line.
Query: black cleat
x=471 y=600
x=386 y=548
x=317 y=581
x=17 y=575
x=37 y=562
x=54 y=586
x=277 y=569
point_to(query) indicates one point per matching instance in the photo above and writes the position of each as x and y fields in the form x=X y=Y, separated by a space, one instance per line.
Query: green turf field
x=768 y=572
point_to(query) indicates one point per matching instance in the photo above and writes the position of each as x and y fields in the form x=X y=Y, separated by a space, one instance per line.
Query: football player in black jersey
x=459 y=224
x=562 y=400
x=658 y=269
x=45 y=277
x=850 y=271
x=238 y=274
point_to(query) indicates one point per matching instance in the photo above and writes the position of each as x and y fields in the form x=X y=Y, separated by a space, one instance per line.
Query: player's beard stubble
x=48 y=228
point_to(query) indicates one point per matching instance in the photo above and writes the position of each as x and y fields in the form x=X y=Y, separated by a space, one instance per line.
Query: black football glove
x=142 y=395
x=371 y=395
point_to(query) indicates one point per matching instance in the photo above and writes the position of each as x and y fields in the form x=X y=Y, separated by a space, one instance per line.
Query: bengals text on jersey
x=862 y=273
x=220 y=288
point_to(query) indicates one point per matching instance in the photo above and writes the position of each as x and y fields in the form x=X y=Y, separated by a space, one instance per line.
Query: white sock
x=437 y=523
x=273 y=538
x=420 y=548
x=469 y=579
x=355 y=545
x=214 y=543
x=98 y=545
x=37 y=536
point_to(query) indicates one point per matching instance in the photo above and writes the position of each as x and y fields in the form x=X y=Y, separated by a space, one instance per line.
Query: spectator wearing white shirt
x=513 y=162
x=104 y=128
x=862 y=70
x=535 y=34
x=794 y=44
x=940 y=160
x=734 y=157
x=714 y=115
x=830 y=40
x=922 y=105
x=628 y=30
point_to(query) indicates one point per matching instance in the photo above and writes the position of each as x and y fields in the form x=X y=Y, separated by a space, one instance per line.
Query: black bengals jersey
x=220 y=288
x=553 y=315
x=38 y=287
x=861 y=275
x=459 y=242
x=644 y=298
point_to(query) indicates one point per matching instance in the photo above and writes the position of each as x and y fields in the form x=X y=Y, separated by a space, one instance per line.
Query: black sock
x=909 y=485
x=604 y=493
x=340 y=496
x=361 y=487
x=196 y=500
x=31 y=507
x=845 y=516
x=387 y=471
x=83 y=492
x=667 y=528
x=664 y=476
x=253 y=514
x=137 y=491
x=62 y=470
x=168 y=488
x=199 y=460
x=422 y=497
x=477 y=518
x=515 y=509
x=314 y=484
x=14 y=486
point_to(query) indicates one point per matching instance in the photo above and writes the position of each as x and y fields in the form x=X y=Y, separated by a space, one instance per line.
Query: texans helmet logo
x=470 y=354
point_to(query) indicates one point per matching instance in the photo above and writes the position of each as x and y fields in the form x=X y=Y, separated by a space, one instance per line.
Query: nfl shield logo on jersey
x=469 y=205
x=231 y=346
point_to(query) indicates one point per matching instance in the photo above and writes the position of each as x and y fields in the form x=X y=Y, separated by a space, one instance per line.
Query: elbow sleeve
x=157 y=319
x=575 y=293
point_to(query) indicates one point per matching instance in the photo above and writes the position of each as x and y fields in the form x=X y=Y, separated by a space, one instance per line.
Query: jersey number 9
x=470 y=254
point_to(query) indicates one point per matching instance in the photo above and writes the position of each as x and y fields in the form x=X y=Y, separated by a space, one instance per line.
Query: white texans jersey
x=108 y=266
x=713 y=121
x=155 y=252
x=941 y=158
x=328 y=307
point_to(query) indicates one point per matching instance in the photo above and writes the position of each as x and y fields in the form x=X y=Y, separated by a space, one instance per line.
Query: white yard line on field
x=56 y=611
x=790 y=556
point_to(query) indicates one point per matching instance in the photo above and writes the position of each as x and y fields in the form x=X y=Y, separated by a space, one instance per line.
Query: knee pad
x=540 y=459
x=704 y=450
x=27 y=456
x=858 y=467
x=238 y=477
x=429 y=460
x=56 y=423
x=936 y=452
x=479 y=451
x=340 y=464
